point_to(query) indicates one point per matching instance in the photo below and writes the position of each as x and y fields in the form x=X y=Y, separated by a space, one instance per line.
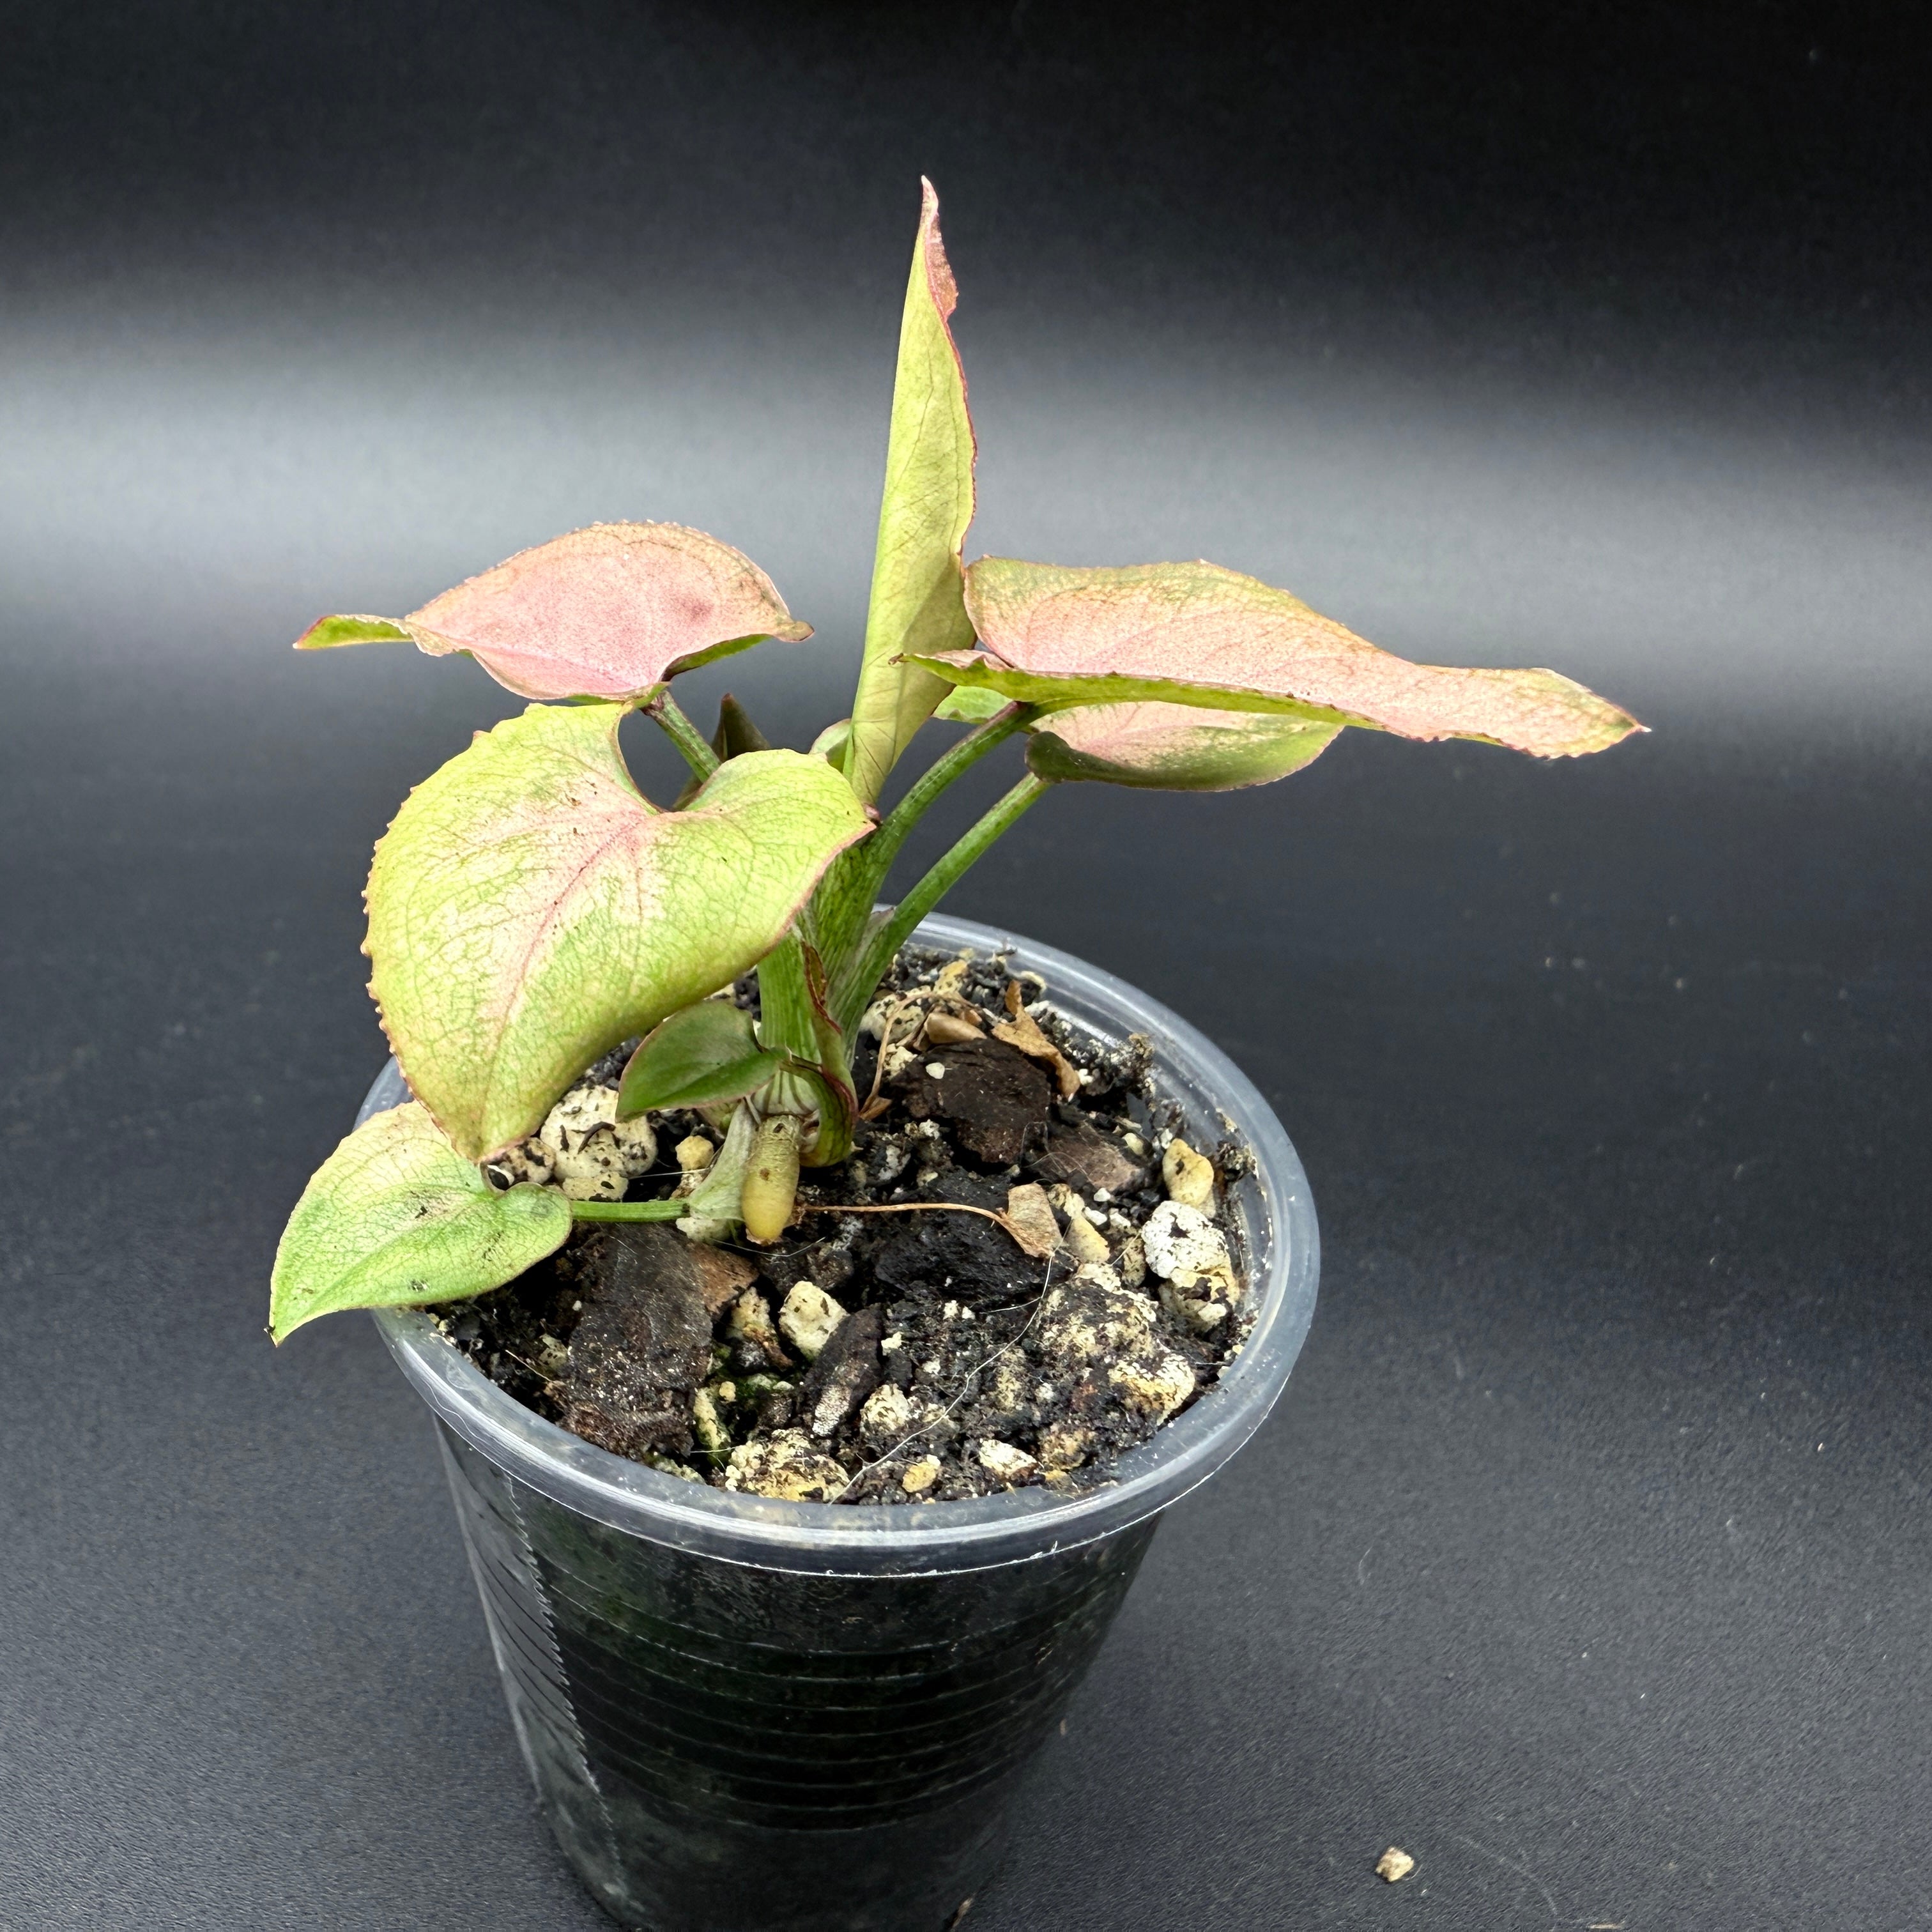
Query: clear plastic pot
x=743 y=1715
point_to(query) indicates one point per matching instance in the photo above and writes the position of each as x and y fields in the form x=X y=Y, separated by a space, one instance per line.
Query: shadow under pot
x=746 y=1715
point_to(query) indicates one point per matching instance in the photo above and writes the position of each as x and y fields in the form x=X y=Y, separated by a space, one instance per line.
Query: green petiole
x=888 y=934
x=668 y=714
x=673 y=1209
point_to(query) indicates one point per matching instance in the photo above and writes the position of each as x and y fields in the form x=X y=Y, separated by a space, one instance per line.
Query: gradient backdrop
x=1588 y=1556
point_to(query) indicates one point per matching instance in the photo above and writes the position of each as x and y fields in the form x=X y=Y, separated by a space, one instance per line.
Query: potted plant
x=818 y=1299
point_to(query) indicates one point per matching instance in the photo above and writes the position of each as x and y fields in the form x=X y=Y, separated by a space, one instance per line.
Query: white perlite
x=787 y=1466
x=707 y=1423
x=887 y=1416
x=1088 y=1243
x=808 y=1318
x=1005 y=1461
x=596 y=1155
x=1184 y=1247
x=751 y=1321
x=1092 y=1323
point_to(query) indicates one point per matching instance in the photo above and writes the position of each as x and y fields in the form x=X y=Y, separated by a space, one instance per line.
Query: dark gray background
x=1588 y=1557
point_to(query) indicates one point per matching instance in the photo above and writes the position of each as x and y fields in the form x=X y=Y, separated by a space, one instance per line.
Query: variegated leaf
x=528 y=910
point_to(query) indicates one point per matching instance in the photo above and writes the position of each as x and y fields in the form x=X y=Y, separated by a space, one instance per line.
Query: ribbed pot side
x=742 y=1715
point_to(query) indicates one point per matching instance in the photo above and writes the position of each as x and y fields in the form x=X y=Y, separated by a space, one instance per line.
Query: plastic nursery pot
x=743 y=1715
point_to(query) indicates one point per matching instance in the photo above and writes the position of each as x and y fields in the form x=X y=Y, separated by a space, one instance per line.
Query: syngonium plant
x=529 y=910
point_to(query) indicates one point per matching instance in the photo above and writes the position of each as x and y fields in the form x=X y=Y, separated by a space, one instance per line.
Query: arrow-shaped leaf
x=528 y=910
x=707 y=1053
x=1173 y=747
x=916 y=604
x=396 y=1217
x=611 y=611
x=1196 y=635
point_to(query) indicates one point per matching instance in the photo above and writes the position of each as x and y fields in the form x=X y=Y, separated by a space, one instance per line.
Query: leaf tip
x=330 y=632
x=283 y=1322
x=939 y=278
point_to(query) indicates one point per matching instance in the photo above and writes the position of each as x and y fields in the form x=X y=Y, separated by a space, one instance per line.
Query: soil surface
x=902 y=1356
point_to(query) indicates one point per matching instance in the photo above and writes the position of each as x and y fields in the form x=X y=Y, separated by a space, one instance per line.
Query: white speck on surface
x=886 y=1415
x=1007 y=1461
x=808 y=1318
x=1185 y=1248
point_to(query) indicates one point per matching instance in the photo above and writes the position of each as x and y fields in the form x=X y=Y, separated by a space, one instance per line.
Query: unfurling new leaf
x=396 y=1217
x=917 y=603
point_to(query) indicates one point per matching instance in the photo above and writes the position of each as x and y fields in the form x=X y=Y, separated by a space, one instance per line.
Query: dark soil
x=954 y=1363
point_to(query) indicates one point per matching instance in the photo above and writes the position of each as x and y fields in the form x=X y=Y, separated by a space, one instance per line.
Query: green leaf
x=830 y=743
x=1173 y=747
x=1194 y=634
x=327 y=634
x=528 y=910
x=395 y=1217
x=611 y=611
x=917 y=602
x=707 y=1053
x=966 y=704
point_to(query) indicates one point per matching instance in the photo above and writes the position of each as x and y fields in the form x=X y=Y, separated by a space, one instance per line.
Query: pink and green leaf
x=917 y=605
x=528 y=910
x=609 y=612
x=1173 y=747
x=1193 y=634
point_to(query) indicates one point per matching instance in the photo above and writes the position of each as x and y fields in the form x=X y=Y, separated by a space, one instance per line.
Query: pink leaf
x=1193 y=634
x=609 y=612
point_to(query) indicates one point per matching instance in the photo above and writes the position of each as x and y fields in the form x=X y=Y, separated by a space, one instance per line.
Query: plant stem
x=884 y=942
x=629 y=1211
x=665 y=711
x=786 y=1020
x=843 y=903
x=883 y=847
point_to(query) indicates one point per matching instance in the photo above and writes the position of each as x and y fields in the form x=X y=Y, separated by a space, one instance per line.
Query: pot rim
x=1276 y=1213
